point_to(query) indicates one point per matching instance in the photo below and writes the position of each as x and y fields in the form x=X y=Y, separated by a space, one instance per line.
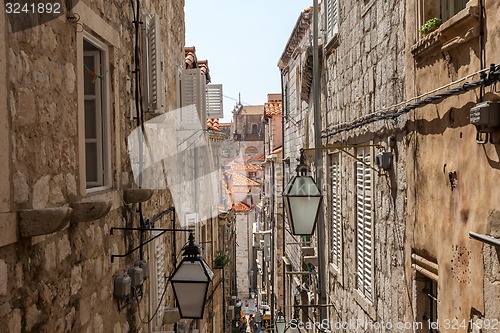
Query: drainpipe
x=320 y=225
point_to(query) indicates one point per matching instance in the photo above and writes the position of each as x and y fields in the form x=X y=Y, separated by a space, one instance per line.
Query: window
x=427 y=301
x=96 y=114
x=336 y=214
x=443 y=9
x=255 y=129
x=153 y=70
x=332 y=19
x=451 y=7
x=364 y=223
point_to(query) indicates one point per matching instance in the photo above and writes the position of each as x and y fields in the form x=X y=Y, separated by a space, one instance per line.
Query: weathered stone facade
x=58 y=277
x=364 y=74
x=398 y=245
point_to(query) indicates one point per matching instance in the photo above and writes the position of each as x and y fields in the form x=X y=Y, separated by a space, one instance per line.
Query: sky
x=242 y=41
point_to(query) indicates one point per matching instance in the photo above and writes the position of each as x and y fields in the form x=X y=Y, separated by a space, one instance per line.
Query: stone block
x=50 y=256
x=15 y=321
x=8 y=228
x=41 y=192
x=76 y=280
x=21 y=190
x=64 y=248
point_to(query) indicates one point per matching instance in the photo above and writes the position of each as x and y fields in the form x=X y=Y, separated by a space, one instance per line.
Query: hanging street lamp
x=190 y=282
x=302 y=200
x=280 y=322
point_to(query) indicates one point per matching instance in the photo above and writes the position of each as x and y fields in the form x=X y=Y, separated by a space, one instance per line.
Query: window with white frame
x=364 y=223
x=332 y=19
x=96 y=114
x=336 y=213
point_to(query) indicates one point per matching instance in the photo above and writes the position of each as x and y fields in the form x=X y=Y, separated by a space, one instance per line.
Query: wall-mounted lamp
x=302 y=199
x=190 y=282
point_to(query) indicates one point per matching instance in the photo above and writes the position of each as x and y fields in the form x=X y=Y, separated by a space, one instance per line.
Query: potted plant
x=221 y=259
x=430 y=25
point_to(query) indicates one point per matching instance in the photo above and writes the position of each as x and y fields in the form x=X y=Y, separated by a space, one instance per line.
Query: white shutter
x=193 y=91
x=364 y=223
x=214 y=101
x=336 y=210
x=332 y=18
x=158 y=276
x=154 y=65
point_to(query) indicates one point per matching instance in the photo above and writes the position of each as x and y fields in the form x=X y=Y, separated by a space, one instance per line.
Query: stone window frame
x=101 y=125
x=99 y=31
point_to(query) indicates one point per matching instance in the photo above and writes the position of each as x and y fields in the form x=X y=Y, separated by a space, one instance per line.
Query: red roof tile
x=273 y=109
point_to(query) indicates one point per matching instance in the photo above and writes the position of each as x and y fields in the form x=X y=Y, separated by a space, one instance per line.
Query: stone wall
x=63 y=281
x=363 y=74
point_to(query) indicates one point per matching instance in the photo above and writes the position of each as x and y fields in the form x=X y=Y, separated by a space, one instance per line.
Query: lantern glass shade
x=302 y=200
x=280 y=323
x=190 y=284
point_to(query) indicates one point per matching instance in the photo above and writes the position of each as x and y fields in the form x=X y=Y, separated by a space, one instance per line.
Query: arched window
x=255 y=129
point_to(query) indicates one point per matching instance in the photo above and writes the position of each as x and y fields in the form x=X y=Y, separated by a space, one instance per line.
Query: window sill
x=461 y=28
x=332 y=44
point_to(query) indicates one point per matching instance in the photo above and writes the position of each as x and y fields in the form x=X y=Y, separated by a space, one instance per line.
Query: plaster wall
x=453 y=176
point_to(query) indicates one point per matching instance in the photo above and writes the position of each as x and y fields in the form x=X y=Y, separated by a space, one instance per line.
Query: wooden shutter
x=158 y=276
x=214 y=101
x=193 y=92
x=336 y=211
x=154 y=66
x=332 y=18
x=364 y=223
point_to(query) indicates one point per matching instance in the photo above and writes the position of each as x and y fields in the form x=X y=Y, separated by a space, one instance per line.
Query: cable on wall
x=488 y=77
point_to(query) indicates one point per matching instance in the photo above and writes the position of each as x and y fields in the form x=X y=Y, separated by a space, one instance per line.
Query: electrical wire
x=488 y=77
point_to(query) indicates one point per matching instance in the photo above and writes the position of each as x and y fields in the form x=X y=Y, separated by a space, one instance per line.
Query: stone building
x=272 y=205
x=452 y=164
x=75 y=89
x=405 y=244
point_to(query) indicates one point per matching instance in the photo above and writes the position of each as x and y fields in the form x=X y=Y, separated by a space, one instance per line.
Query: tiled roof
x=273 y=109
x=241 y=207
x=237 y=179
x=237 y=166
x=213 y=124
